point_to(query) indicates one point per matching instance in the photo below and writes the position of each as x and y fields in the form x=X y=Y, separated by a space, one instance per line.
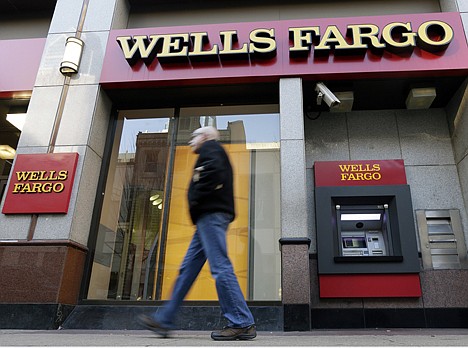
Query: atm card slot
x=353 y=253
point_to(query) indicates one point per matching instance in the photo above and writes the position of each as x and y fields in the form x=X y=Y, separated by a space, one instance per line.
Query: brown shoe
x=232 y=333
x=153 y=325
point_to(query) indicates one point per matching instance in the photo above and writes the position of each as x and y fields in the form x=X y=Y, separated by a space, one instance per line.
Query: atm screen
x=354 y=242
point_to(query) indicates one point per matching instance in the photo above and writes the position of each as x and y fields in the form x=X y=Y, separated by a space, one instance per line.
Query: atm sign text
x=360 y=172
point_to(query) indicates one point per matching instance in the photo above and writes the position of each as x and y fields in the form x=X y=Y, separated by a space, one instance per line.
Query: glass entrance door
x=132 y=210
x=145 y=227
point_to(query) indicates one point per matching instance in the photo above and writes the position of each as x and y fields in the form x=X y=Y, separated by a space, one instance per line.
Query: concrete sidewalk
x=143 y=338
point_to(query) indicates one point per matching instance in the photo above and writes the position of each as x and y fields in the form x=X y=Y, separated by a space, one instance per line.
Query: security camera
x=323 y=93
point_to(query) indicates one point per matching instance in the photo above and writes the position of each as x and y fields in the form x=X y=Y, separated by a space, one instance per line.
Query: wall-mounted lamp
x=72 y=56
x=420 y=98
x=17 y=120
x=346 y=102
x=7 y=152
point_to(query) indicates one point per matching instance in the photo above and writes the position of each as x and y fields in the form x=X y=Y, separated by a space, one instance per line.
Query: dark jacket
x=211 y=188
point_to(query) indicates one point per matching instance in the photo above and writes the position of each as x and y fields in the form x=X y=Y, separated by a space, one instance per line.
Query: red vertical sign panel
x=41 y=183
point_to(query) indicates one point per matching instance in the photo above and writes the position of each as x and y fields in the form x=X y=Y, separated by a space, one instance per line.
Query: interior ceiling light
x=346 y=102
x=420 y=98
x=17 y=120
x=22 y=95
x=7 y=152
x=157 y=201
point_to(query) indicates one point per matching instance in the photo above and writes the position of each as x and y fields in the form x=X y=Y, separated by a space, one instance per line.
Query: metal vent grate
x=442 y=241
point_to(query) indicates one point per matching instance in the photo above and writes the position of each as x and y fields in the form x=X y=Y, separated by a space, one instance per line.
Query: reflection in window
x=251 y=137
x=145 y=228
x=124 y=261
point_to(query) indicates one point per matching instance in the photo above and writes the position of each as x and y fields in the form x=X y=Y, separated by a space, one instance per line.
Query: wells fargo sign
x=360 y=173
x=409 y=45
x=41 y=183
x=396 y=37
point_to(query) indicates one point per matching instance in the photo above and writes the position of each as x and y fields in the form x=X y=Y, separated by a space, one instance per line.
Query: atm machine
x=363 y=230
x=366 y=237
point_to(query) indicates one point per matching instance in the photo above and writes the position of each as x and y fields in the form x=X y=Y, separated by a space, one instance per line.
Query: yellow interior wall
x=181 y=229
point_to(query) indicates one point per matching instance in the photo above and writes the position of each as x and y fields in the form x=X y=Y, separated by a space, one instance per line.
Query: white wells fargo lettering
x=395 y=37
x=40 y=181
x=194 y=46
x=360 y=172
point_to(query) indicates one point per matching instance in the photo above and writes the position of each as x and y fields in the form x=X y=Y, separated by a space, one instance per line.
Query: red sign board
x=369 y=285
x=19 y=64
x=360 y=173
x=317 y=48
x=41 y=183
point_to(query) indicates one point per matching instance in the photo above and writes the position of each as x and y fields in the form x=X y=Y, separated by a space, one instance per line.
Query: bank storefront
x=339 y=131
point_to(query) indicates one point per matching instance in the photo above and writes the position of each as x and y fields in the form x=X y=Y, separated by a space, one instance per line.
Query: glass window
x=132 y=209
x=12 y=118
x=145 y=227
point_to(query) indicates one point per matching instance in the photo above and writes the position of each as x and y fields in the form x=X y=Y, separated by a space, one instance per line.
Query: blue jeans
x=209 y=242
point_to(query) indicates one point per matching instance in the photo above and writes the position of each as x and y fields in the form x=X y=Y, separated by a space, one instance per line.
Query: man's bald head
x=200 y=135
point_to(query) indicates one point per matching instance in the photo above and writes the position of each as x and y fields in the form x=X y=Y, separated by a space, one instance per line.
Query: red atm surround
x=369 y=178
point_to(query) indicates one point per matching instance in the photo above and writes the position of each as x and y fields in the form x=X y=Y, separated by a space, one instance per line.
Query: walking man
x=211 y=206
